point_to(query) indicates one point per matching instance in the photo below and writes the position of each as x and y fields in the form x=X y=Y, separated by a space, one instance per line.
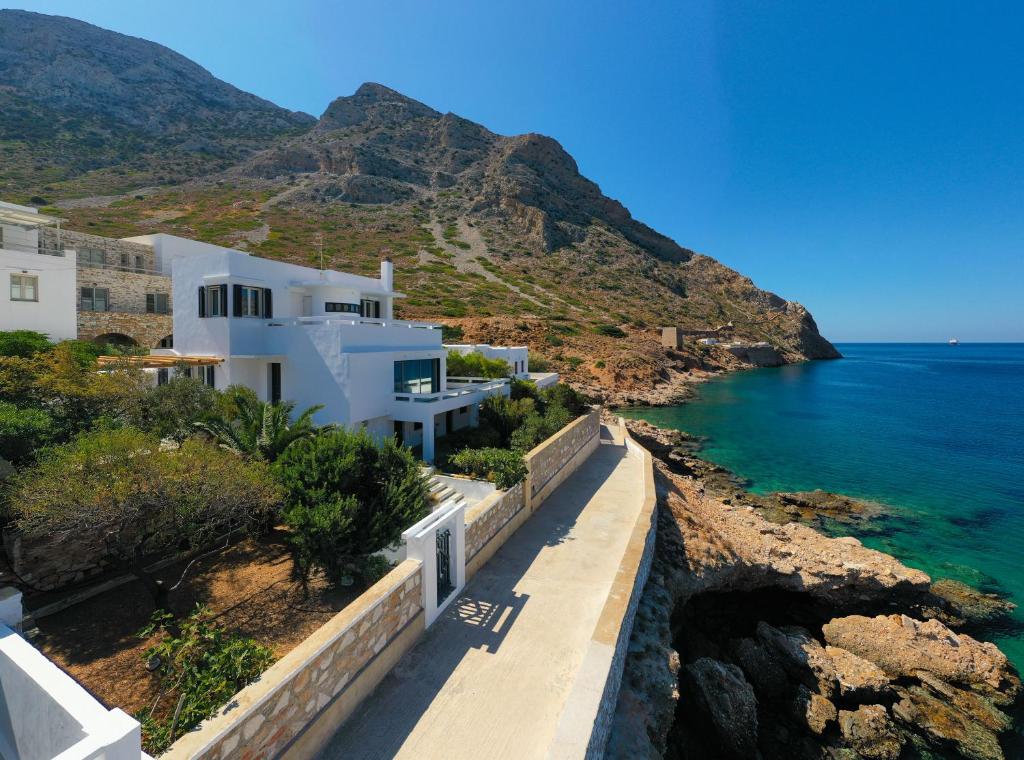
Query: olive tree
x=142 y=500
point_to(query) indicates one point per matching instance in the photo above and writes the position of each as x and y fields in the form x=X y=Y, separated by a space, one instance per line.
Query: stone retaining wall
x=45 y=563
x=552 y=461
x=490 y=515
x=295 y=706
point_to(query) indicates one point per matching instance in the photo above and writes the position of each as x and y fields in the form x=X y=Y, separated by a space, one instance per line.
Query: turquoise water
x=934 y=431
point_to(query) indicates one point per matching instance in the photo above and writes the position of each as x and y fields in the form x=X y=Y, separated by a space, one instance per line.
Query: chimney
x=387 y=273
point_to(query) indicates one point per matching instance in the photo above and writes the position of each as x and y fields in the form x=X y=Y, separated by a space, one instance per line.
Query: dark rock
x=727 y=700
x=803 y=658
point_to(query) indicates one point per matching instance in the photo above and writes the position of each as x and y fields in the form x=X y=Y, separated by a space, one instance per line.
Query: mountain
x=499 y=236
x=75 y=98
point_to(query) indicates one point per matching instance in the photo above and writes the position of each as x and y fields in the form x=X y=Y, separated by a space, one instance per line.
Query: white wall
x=54 y=313
x=518 y=357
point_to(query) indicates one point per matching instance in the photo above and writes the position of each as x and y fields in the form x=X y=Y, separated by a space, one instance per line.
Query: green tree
x=142 y=500
x=22 y=432
x=505 y=415
x=347 y=498
x=260 y=429
x=23 y=343
x=475 y=364
x=172 y=410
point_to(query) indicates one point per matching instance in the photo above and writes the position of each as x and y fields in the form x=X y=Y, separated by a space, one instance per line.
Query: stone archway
x=116 y=339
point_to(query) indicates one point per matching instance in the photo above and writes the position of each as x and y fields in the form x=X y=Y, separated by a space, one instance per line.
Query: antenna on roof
x=320 y=240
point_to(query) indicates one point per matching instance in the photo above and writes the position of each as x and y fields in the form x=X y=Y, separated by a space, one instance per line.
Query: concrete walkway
x=490 y=678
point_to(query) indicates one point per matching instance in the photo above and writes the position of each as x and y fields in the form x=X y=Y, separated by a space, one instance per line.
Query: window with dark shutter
x=202 y=301
x=268 y=304
x=150 y=303
x=237 y=300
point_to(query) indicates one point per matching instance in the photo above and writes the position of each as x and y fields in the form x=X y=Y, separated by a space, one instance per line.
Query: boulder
x=870 y=731
x=963 y=604
x=859 y=680
x=945 y=725
x=727 y=700
x=761 y=668
x=901 y=646
x=813 y=711
x=802 y=657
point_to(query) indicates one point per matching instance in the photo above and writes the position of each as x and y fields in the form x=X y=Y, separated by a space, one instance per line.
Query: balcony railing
x=350 y=321
x=475 y=386
x=7 y=245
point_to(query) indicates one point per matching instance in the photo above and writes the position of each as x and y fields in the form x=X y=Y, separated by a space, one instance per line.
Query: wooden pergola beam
x=157 y=362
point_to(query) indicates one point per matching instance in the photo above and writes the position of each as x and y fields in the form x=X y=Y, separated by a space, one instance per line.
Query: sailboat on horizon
x=954 y=342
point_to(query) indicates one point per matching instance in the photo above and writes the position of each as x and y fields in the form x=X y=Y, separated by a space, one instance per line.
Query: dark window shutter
x=202 y=301
x=268 y=303
x=223 y=299
x=237 y=290
x=150 y=303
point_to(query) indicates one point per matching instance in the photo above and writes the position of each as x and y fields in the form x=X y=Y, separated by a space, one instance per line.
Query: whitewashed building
x=316 y=337
x=38 y=291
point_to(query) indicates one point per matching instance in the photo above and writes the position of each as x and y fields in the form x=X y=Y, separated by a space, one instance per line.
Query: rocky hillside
x=77 y=99
x=500 y=236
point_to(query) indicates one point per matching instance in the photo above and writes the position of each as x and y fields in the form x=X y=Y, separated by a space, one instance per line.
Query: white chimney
x=387 y=273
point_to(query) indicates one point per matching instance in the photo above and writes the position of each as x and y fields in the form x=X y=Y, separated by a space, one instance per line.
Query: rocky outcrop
x=832 y=640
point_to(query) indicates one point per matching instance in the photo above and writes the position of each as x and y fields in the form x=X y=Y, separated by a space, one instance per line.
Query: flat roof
x=21 y=218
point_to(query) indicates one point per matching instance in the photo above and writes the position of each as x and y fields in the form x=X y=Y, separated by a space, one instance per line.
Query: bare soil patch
x=251 y=586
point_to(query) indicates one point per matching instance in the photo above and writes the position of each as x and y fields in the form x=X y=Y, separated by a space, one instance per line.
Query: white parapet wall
x=44 y=714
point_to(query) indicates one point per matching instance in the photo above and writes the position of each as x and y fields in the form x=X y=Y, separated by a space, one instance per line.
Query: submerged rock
x=965 y=605
x=727 y=700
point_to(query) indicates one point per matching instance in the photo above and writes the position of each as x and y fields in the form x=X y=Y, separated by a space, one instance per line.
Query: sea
x=933 y=431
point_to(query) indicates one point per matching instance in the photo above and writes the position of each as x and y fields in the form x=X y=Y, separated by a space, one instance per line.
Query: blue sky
x=865 y=159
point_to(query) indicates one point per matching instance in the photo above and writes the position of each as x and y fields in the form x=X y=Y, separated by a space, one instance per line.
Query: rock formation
x=830 y=649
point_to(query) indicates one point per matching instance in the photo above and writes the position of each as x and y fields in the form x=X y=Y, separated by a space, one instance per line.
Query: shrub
x=610 y=330
x=201 y=664
x=504 y=415
x=347 y=498
x=505 y=468
x=561 y=394
x=537 y=428
x=144 y=501
x=475 y=364
x=22 y=431
x=23 y=343
x=520 y=389
x=173 y=409
x=539 y=364
x=451 y=333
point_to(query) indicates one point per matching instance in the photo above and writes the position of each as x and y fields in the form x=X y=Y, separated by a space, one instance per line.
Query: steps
x=440 y=492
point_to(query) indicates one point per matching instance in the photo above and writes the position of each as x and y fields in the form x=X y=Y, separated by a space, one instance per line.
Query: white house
x=316 y=337
x=39 y=289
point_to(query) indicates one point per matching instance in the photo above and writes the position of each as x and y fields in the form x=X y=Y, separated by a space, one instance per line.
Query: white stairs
x=440 y=493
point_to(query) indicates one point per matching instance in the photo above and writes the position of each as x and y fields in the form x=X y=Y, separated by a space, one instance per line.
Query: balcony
x=12 y=246
x=461 y=388
x=350 y=321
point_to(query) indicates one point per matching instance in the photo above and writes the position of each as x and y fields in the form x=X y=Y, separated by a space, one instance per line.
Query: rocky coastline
x=758 y=636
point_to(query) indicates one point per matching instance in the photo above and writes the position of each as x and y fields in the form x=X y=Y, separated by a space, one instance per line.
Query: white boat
x=954 y=342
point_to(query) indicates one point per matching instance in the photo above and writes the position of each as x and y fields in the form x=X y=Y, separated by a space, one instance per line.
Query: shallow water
x=934 y=431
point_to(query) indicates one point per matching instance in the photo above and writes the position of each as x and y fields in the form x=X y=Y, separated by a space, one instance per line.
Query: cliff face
x=480 y=225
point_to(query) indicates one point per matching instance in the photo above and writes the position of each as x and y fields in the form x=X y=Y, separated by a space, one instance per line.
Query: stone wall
x=111 y=247
x=147 y=330
x=551 y=462
x=323 y=679
x=45 y=564
x=490 y=515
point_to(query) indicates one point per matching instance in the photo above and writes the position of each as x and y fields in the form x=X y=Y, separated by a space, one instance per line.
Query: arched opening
x=165 y=342
x=115 y=339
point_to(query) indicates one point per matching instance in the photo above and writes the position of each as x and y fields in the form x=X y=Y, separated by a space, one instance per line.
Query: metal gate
x=444 y=565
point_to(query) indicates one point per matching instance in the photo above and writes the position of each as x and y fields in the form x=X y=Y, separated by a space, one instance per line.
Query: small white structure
x=317 y=337
x=38 y=291
x=517 y=357
x=708 y=341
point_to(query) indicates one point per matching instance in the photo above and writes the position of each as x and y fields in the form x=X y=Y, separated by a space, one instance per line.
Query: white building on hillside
x=517 y=358
x=38 y=292
x=316 y=337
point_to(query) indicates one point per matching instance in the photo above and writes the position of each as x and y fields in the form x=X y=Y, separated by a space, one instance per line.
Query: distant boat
x=954 y=342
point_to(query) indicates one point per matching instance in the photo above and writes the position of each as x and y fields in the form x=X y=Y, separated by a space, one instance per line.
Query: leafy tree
x=260 y=430
x=173 y=409
x=504 y=467
x=22 y=432
x=201 y=665
x=142 y=500
x=475 y=364
x=23 y=343
x=347 y=498
x=564 y=395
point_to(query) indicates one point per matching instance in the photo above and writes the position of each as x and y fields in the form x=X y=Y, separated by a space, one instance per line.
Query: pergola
x=28 y=220
x=157 y=361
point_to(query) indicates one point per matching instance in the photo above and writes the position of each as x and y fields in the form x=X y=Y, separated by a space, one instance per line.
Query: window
x=207 y=375
x=24 y=287
x=163 y=375
x=167 y=341
x=124 y=262
x=418 y=376
x=95 y=299
x=91 y=257
x=140 y=264
x=370 y=308
x=213 y=301
x=463 y=409
x=252 y=302
x=157 y=303
x=333 y=307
